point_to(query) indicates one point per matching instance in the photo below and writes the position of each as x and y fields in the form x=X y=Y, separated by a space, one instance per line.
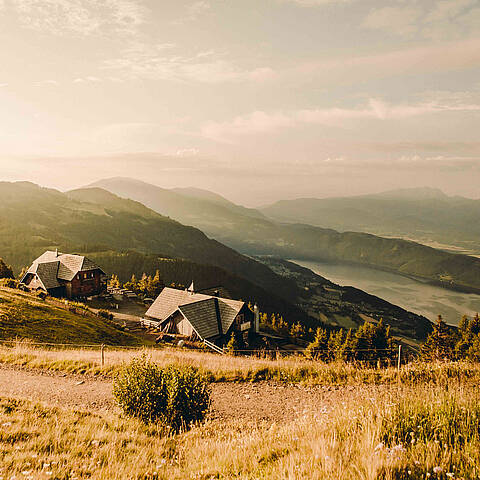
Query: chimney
x=191 y=288
x=256 y=312
x=56 y=252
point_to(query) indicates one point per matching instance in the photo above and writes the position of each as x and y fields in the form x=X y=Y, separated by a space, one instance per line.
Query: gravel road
x=251 y=401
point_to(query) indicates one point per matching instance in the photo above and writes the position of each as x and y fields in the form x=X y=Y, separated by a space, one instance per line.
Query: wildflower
x=26 y=472
x=6 y=424
x=48 y=473
x=450 y=475
x=379 y=447
x=437 y=469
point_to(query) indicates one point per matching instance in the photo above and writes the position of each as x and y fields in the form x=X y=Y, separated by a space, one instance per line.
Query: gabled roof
x=169 y=300
x=199 y=309
x=203 y=317
x=47 y=273
x=51 y=267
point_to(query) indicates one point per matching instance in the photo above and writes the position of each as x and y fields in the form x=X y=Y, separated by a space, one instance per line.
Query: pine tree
x=317 y=350
x=440 y=344
x=114 y=282
x=5 y=270
x=232 y=345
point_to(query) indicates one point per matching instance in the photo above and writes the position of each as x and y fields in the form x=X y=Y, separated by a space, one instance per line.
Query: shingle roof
x=47 y=272
x=229 y=309
x=199 y=309
x=203 y=317
x=53 y=266
x=169 y=300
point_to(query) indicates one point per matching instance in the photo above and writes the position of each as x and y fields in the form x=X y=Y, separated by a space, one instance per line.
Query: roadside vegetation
x=226 y=368
x=427 y=433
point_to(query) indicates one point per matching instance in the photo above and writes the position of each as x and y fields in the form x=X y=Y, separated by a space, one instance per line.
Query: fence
x=273 y=354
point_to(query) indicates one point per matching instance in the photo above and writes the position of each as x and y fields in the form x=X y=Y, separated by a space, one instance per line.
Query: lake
x=410 y=294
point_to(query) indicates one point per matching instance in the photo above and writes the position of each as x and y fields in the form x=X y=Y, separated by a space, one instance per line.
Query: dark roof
x=47 y=273
x=203 y=317
x=197 y=309
x=50 y=267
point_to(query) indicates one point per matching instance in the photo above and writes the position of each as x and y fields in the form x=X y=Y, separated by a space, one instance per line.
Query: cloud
x=260 y=122
x=81 y=17
x=438 y=20
x=145 y=61
x=194 y=11
x=187 y=152
x=401 y=20
x=52 y=83
x=315 y=3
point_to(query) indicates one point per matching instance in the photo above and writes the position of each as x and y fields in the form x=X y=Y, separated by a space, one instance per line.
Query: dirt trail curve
x=259 y=401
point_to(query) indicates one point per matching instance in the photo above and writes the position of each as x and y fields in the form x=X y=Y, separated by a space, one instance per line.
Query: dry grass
x=222 y=368
x=38 y=442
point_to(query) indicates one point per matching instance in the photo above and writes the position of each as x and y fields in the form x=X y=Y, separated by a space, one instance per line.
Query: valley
x=412 y=295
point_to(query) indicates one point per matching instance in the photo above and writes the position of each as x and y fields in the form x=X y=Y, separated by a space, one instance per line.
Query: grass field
x=434 y=435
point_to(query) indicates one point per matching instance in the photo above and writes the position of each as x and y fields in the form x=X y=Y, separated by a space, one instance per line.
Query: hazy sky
x=255 y=99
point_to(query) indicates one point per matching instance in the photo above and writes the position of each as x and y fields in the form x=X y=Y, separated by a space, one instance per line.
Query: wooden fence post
x=399 y=361
x=102 y=349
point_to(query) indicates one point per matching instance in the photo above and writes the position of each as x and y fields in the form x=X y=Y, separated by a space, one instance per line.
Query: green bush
x=9 y=283
x=106 y=314
x=174 y=396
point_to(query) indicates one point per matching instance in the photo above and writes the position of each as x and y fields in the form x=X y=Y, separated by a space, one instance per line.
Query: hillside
x=425 y=215
x=93 y=220
x=126 y=237
x=354 y=308
x=33 y=219
x=25 y=316
x=258 y=236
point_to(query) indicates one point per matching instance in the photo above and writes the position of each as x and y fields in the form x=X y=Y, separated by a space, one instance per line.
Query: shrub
x=9 y=283
x=174 y=396
x=106 y=314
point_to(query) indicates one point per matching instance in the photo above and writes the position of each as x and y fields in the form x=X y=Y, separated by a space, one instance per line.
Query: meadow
x=420 y=423
x=432 y=434
x=226 y=368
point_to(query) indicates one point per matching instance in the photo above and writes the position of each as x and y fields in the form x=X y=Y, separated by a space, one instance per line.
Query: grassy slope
x=264 y=237
x=24 y=316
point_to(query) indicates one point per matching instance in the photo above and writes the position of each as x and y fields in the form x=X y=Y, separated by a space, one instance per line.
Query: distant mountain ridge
x=125 y=236
x=426 y=215
x=261 y=236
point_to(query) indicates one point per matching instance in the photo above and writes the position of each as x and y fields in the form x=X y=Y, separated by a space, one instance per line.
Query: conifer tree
x=440 y=344
x=5 y=270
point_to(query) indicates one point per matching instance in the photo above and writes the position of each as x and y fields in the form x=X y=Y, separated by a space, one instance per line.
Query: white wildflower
x=437 y=469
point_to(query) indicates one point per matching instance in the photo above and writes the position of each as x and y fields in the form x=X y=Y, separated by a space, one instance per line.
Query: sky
x=254 y=99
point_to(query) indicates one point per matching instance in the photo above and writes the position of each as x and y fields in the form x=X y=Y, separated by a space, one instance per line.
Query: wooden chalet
x=65 y=275
x=200 y=316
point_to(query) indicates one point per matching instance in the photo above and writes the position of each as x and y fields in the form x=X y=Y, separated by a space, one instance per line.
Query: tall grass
x=368 y=441
x=218 y=368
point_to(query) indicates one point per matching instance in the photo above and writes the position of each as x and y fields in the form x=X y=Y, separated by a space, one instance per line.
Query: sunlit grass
x=224 y=368
x=358 y=441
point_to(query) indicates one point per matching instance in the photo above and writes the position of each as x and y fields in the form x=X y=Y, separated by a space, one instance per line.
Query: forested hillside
x=126 y=238
x=33 y=219
x=256 y=235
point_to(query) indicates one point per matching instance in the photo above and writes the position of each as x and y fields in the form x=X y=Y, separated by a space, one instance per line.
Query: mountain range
x=426 y=215
x=252 y=233
x=126 y=237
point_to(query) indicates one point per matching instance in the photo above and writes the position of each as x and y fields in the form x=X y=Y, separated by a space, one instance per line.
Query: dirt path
x=260 y=401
